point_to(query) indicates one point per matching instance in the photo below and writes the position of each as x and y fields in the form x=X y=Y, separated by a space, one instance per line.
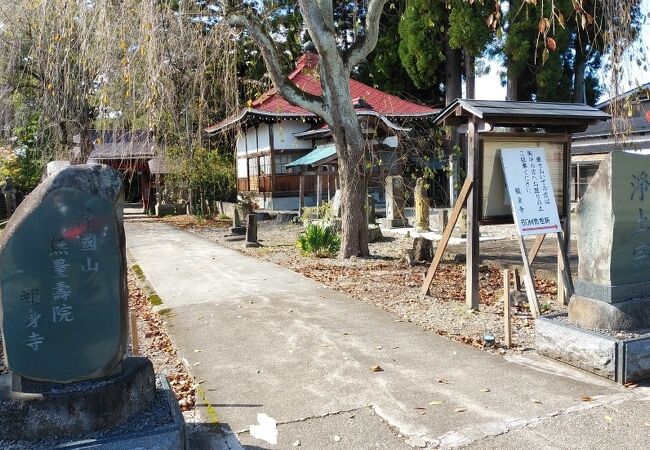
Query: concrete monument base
x=395 y=223
x=629 y=315
x=621 y=359
x=238 y=230
x=77 y=408
x=159 y=427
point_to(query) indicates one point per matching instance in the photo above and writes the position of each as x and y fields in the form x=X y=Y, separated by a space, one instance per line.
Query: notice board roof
x=565 y=117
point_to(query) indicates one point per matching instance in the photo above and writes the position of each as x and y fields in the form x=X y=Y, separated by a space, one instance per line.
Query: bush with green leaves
x=319 y=241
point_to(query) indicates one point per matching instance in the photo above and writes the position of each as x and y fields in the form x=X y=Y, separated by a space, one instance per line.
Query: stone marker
x=251 y=231
x=63 y=300
x=371 y=212
x=613 y=283
x=337 y=209
x=421 y=206
x=237 y=227
x=63 y=278
x=422 y=249
x=9 y=192
x=395 y=202
x=612 y=290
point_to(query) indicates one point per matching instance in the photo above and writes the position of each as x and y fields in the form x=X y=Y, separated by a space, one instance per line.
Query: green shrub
x=319 y=241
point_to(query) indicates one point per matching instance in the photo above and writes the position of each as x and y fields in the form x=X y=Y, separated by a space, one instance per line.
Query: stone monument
x=251 y=231
x=612 y=289
x=421 y=206
x=9 y=192
x=64 y=310
x=395 y=202
x=371 y=211
x=237 y=227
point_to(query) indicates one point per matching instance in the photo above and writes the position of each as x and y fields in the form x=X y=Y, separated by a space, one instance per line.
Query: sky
x=488 y=87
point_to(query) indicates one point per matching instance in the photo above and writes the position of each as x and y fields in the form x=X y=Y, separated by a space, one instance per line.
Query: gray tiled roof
x=502 y=110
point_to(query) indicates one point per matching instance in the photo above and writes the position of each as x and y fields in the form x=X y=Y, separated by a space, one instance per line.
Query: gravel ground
x=388 y=282
x=616 y=334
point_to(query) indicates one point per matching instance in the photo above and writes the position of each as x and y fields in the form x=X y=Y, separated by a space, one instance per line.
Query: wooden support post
x=135 y=345
x=533 y=302
x=319 y=189
x=301 y=200
x=532 y=254
x=517 y=280
x=442 y=245
x=566 y=286
x=506 y=308
x=329 y=195
x=472 y=246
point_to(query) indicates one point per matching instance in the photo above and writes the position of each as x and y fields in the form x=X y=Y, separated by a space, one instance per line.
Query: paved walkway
x=263 y=339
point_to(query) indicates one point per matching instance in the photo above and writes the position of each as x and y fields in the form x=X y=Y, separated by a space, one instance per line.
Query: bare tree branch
x=285 y=87
x=362 y=47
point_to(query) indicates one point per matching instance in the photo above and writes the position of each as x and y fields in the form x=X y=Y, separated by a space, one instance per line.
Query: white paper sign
x=530 y=189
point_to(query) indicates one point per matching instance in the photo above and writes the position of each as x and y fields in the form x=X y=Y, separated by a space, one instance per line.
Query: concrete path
x=263 y=339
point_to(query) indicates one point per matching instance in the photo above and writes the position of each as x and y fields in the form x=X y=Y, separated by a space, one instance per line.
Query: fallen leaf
x=534 y=400
x=587 y=399
x=630 y=385
x=296 y=443
x=196 y=364
x=485 y=390
x=443 y=381
x=394 y=347
x=379 y=347
x=198 y=351
x=376 y=369
x=337 y=438
x=435 y=402
x=460 y=410
x=420 y=407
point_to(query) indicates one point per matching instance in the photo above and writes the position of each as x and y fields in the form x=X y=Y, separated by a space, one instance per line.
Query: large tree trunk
x=350 y=144
x=470 y=76
x=579 y=95
x=453 y=89
x=511 y=90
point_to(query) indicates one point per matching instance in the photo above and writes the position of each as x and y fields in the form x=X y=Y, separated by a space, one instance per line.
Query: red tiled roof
x=306 y=77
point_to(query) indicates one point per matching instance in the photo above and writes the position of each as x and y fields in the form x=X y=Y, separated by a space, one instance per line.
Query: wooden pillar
x=329 y=194
x=319 y=188
x=472 y=246
x=566 y=226
x=301 y=195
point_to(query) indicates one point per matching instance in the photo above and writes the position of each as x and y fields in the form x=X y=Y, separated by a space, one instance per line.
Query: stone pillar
x=237 y=227
x=9 y=192
x=395 y=201
x=612 y=289
x=421 y=206
x=371 y=213
x=251 y=231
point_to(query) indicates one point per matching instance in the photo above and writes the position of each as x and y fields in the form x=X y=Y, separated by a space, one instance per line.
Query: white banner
x=530 y=189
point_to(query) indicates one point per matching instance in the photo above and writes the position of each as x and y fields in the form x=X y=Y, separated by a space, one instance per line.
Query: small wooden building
x=129 y=153
x=272 y=134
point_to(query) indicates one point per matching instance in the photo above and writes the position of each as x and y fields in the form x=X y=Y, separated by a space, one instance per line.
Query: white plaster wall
x=241 y=143
x=262 y=136
x=283 y=137
x=241 y=167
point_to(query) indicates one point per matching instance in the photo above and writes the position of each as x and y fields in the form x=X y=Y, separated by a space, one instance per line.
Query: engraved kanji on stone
x=88 y=242
x=34 y=340
x=30 y=297
x=58 y=247
x=90 y=266
x=59 y=267
x=62 y=313
x=32 y=319
x=61 y=292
